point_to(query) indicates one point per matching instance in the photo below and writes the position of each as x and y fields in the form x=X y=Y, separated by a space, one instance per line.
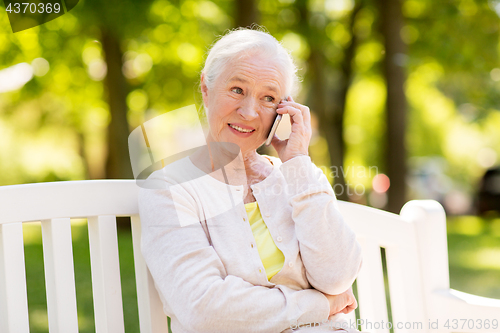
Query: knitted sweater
x=201 y=252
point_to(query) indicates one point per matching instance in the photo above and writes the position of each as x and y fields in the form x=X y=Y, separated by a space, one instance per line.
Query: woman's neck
x=250 y=159
x=257 y=167
x=242 y=164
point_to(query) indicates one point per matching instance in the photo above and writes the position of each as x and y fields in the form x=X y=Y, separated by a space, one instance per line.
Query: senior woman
x=277 y=256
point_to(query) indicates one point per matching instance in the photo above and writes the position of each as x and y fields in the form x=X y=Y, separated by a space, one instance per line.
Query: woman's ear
x=204 y=89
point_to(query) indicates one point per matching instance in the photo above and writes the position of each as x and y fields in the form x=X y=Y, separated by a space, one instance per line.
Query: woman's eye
x=237 y=90
x=269 y=99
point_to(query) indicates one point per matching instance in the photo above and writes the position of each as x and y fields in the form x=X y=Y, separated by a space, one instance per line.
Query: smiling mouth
x=239 y=129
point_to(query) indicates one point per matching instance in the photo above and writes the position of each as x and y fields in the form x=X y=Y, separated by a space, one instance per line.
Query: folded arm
x=192 y=280
x=328 y=246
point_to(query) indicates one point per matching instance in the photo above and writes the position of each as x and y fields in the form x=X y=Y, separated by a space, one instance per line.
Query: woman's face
x=242 y=103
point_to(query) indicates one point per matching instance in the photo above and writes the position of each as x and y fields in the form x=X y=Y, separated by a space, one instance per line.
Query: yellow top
x=272 y=258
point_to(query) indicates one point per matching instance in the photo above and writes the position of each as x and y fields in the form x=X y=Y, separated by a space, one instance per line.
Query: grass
x=474 y=255
x=474 y=258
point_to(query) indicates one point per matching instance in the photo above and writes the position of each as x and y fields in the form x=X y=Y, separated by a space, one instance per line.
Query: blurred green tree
x=116 y=21
x=246 y=13
x=451 y=65
x=392 y=22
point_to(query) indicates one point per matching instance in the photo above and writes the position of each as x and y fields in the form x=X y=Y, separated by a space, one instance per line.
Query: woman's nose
x=248 y=110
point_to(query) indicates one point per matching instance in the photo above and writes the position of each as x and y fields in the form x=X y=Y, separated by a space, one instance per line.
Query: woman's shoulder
x=174 y=177
x=177 y=172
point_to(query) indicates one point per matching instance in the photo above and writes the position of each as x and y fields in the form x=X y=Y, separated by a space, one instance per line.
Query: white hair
x=241 y=42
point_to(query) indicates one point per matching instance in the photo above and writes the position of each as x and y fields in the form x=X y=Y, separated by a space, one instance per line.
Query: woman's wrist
x=344 y=302
x=288 y=158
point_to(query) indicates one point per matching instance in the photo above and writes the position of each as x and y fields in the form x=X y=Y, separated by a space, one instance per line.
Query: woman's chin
x=245 y=144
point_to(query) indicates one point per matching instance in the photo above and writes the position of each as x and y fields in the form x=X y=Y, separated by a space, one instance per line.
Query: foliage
x=474 y=255
x=54 y=127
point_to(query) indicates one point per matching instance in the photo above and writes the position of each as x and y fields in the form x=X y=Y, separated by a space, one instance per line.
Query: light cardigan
x=212 y=280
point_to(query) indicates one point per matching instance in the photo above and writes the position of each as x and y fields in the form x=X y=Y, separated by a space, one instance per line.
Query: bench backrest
x=100 y=201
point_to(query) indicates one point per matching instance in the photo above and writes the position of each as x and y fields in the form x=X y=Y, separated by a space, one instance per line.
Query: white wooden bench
x=414 y=242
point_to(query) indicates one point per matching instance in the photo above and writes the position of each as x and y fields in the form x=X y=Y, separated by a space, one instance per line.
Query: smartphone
x=273 y=129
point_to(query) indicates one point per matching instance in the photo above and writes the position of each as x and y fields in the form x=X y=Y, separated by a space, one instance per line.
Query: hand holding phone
x=297 y=143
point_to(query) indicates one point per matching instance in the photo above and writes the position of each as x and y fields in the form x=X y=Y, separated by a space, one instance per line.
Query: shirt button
x=279 y=239
x=290 y=264
x=267 y=214
x=244 y=219
x=251 y=244
x=260 y=270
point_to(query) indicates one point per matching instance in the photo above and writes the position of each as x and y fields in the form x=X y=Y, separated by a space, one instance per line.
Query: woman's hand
x=298 y=143
x=345 y=302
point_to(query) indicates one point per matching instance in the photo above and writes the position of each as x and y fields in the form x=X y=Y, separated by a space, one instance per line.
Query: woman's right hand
x=345 y=302
x=298 y=142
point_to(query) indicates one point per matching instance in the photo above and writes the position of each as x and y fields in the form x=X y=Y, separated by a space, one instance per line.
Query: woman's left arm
x=328 y=246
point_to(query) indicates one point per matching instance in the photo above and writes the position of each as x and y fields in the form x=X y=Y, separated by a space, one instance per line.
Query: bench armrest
x=463 y=306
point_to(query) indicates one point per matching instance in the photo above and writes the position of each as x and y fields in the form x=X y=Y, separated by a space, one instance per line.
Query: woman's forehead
x=252 y=70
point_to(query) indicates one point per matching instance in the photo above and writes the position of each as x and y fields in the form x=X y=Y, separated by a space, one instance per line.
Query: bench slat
x=13 y=296
x=371 y=290
x=106 y=285
x=59 y=275
x=406 y=291
x=151 y=316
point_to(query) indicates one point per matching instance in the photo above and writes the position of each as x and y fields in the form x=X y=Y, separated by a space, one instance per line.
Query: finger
x=344 y=310
x=347 y=309
x=306 y=112
x=285 y=110
x=295 y=113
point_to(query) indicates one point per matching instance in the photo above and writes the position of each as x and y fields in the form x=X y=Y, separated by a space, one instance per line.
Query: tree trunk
x=394 y=71
x=118 y=161
x=246 y=13
x=83 y=153
x=336 y=143
x=330 y=114
x=330 y=119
